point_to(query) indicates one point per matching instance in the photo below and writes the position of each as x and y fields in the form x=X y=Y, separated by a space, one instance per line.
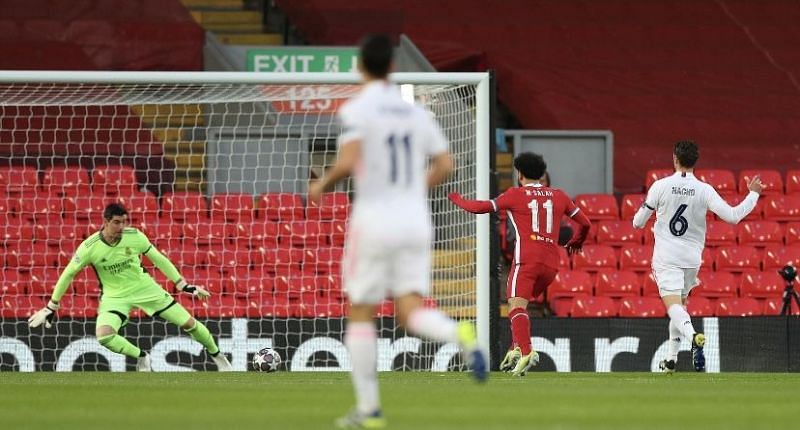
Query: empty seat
x=331 y=206
x=66 y=181
x=185 y=206
x=85 y=208
x=792 y=233
x=630 y=205
x=280 y=207
x=204 y=233
x=793 y=182
x=722 y=180
x=593 y=307
x=656 y=174
x=760 y=233
x=774 y=306
x=17 y=180
x=563 y=259
x=782 y=208
x=140 y=206
x=720 y=233
x=761 y=285
x=565 y=287
x=114 y=180
x=737 y=258
x=617 y=284
x=699 y=306
x=232 y=207
x=259 y=233
x=336 y=230
x=323 y=260
x=777 y=256
x=738 y=307
x=650 y=286
x=302 y=233
x=598 y=206
x=594 y=258
x=715 y=285
x=772 y=180
x=618 y=233
x=756 y=214
x=641 y=307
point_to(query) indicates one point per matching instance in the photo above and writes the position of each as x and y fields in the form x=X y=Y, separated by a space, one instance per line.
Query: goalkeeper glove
x=195 y=290
x=44 y=315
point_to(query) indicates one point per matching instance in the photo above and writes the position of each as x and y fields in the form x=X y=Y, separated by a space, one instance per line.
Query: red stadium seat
x=738 y=307
x=782 y=208
x=20 y=306
x=593 y=307
x=720 y=233
x=617 y=284
x=774 y=306
x=772 y=180
x=18 y=180
x=722 y=180
x=777 y=256
x=598 y=206
x=303 y=233
x=762 y=285
x=565 y=287
x=78 y=306
x=332 y=206
x=66 y=181
x=793 y=182
x=699 y=306
x=650 y=286
x=336 y=230
x=707 y=258
x=232 y=207
x=641 y=307
x=283 y=261
x=85 y=207
x=631 y=204
x=760 y=233
x=323 y=261
x=280 y=207
x=594 y=258
x=618 y=233
x=563 y=259
x=294 y=286
x=115 y=181
x=259 y=233
x=38 y=207
x=656 y=174
x=204 y=233
x=330 y=286
x=792 y=233
x=737 y=258
x=140 y=204
x=11 y=282
x=185 y=206
x=220 y=306
x=715 y=285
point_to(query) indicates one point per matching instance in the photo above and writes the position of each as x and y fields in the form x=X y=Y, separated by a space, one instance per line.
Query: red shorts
x=528 y=282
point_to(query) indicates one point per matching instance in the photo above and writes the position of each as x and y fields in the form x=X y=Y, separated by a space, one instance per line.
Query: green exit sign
x=293 y=59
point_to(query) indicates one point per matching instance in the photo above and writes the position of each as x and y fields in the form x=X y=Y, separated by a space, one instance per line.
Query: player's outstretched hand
x=195 y=290
x=315 y=192
x=755 y=184
x=44 y=315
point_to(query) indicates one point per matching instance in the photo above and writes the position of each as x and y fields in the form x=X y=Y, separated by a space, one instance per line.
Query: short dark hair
x=687 y=153
x=376 y=55
x=114 y=209
x=532 y=166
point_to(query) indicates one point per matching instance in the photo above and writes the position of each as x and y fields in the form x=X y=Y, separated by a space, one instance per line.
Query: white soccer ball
x=266 y=360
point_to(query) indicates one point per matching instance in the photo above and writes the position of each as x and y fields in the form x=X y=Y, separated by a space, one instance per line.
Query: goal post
x=214 y=168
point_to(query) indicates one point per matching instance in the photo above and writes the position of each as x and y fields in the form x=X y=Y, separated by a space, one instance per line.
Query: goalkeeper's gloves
x=195 y=290
x=44 y=315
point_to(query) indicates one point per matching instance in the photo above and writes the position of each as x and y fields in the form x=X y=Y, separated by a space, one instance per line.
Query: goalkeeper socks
x=674 y=342
x=201 y=334
x=120 y=345
x=433 y=324
x=682 y=320
x=521 y=329
x=362 y=344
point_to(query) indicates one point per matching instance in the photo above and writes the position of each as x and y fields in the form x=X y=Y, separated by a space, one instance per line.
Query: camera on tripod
x=789 y=274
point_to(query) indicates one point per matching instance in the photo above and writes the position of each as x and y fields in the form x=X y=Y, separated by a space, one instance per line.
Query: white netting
x=216 y=176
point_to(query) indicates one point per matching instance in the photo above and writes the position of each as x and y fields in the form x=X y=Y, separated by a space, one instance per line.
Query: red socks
x=521 y=329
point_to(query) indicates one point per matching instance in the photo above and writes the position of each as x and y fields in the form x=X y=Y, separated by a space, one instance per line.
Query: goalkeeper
x=115 y=254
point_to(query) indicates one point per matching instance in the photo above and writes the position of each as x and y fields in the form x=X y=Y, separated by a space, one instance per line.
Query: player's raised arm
x=171 y=272
x=647 y=208
x=733 y=215
x=47 y=313
x=502 y=202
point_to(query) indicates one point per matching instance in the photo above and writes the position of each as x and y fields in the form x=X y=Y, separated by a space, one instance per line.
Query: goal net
x=214 y=169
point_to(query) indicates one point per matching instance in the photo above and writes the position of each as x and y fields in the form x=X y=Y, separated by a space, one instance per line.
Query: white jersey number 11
x=548 y=206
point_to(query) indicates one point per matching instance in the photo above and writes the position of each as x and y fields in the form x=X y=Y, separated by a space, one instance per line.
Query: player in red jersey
x=535 y=211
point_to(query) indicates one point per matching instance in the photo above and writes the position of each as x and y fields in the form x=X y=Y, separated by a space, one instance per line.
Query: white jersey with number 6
x=681 y=202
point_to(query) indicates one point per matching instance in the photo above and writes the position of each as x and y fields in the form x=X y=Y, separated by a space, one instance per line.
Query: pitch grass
x=176 y=401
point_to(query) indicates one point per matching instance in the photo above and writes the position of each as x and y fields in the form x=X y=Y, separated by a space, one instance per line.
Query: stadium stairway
x=231 y=22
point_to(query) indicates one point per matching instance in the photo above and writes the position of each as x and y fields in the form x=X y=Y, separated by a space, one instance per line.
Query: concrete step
x=171 y=114
x=184 y=148
x=204 y=17
x=213 y=4
x=453 y=259
x=272 y=39
x=190 y=162
x=453 y=287
x=234 y=28
x=172 y=134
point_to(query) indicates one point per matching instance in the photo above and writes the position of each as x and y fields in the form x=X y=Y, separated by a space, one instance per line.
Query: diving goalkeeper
x=115 y=254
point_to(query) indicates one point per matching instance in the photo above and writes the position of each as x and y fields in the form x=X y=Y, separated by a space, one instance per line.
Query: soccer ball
x=266 y=360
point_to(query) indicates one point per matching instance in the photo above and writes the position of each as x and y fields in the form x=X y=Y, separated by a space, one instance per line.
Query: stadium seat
x=302 y=233
x=259 y=233
x=792 y=233
x=782 y=208
x=793 y=182
x=618 y=233
x=323 y=261
x=42 y=280
x=715 y=285
x=617 y=284
x=232 y=208
x=699 y=306
x=204 y=233
x=220 y=306
x=294 y=286
x=330 y=286
x=760 y=233
x=185 y=206
x=707 y=258
x=11 y=282
x=593 y=307
x=772 y=180
x=720 y=233
x=761 y=285
x=630 y=205
x=331 y=206
x=594 y=258
x=738 y=307
x=756 y=214
x=20 y=306
x=37 y=207
x=78 y=306
x=649 y=285
x=656 y=174
x=85 y=207
x=774 y=306
x=563 y=259
x=641 y=307
x=777 y=256
x=598 y=206
x=66 y=181
x=18 y=180
x=280 y=207
x=114 y=180
x=335 y=230
x=283 y=261
x=722 y=180
x=737 y=258
x=565 y=287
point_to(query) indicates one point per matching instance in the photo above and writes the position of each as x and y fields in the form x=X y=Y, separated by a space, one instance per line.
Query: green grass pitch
x=411 y=400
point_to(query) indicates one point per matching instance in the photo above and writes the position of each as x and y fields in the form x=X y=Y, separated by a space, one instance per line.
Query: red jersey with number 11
x=536 y=211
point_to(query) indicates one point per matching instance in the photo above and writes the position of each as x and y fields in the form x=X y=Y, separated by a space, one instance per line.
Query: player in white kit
x=386 y=143
x=680 y=202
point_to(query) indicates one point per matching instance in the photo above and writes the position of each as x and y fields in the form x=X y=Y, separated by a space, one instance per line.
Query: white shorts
x=374 y=270
x=673 y=281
